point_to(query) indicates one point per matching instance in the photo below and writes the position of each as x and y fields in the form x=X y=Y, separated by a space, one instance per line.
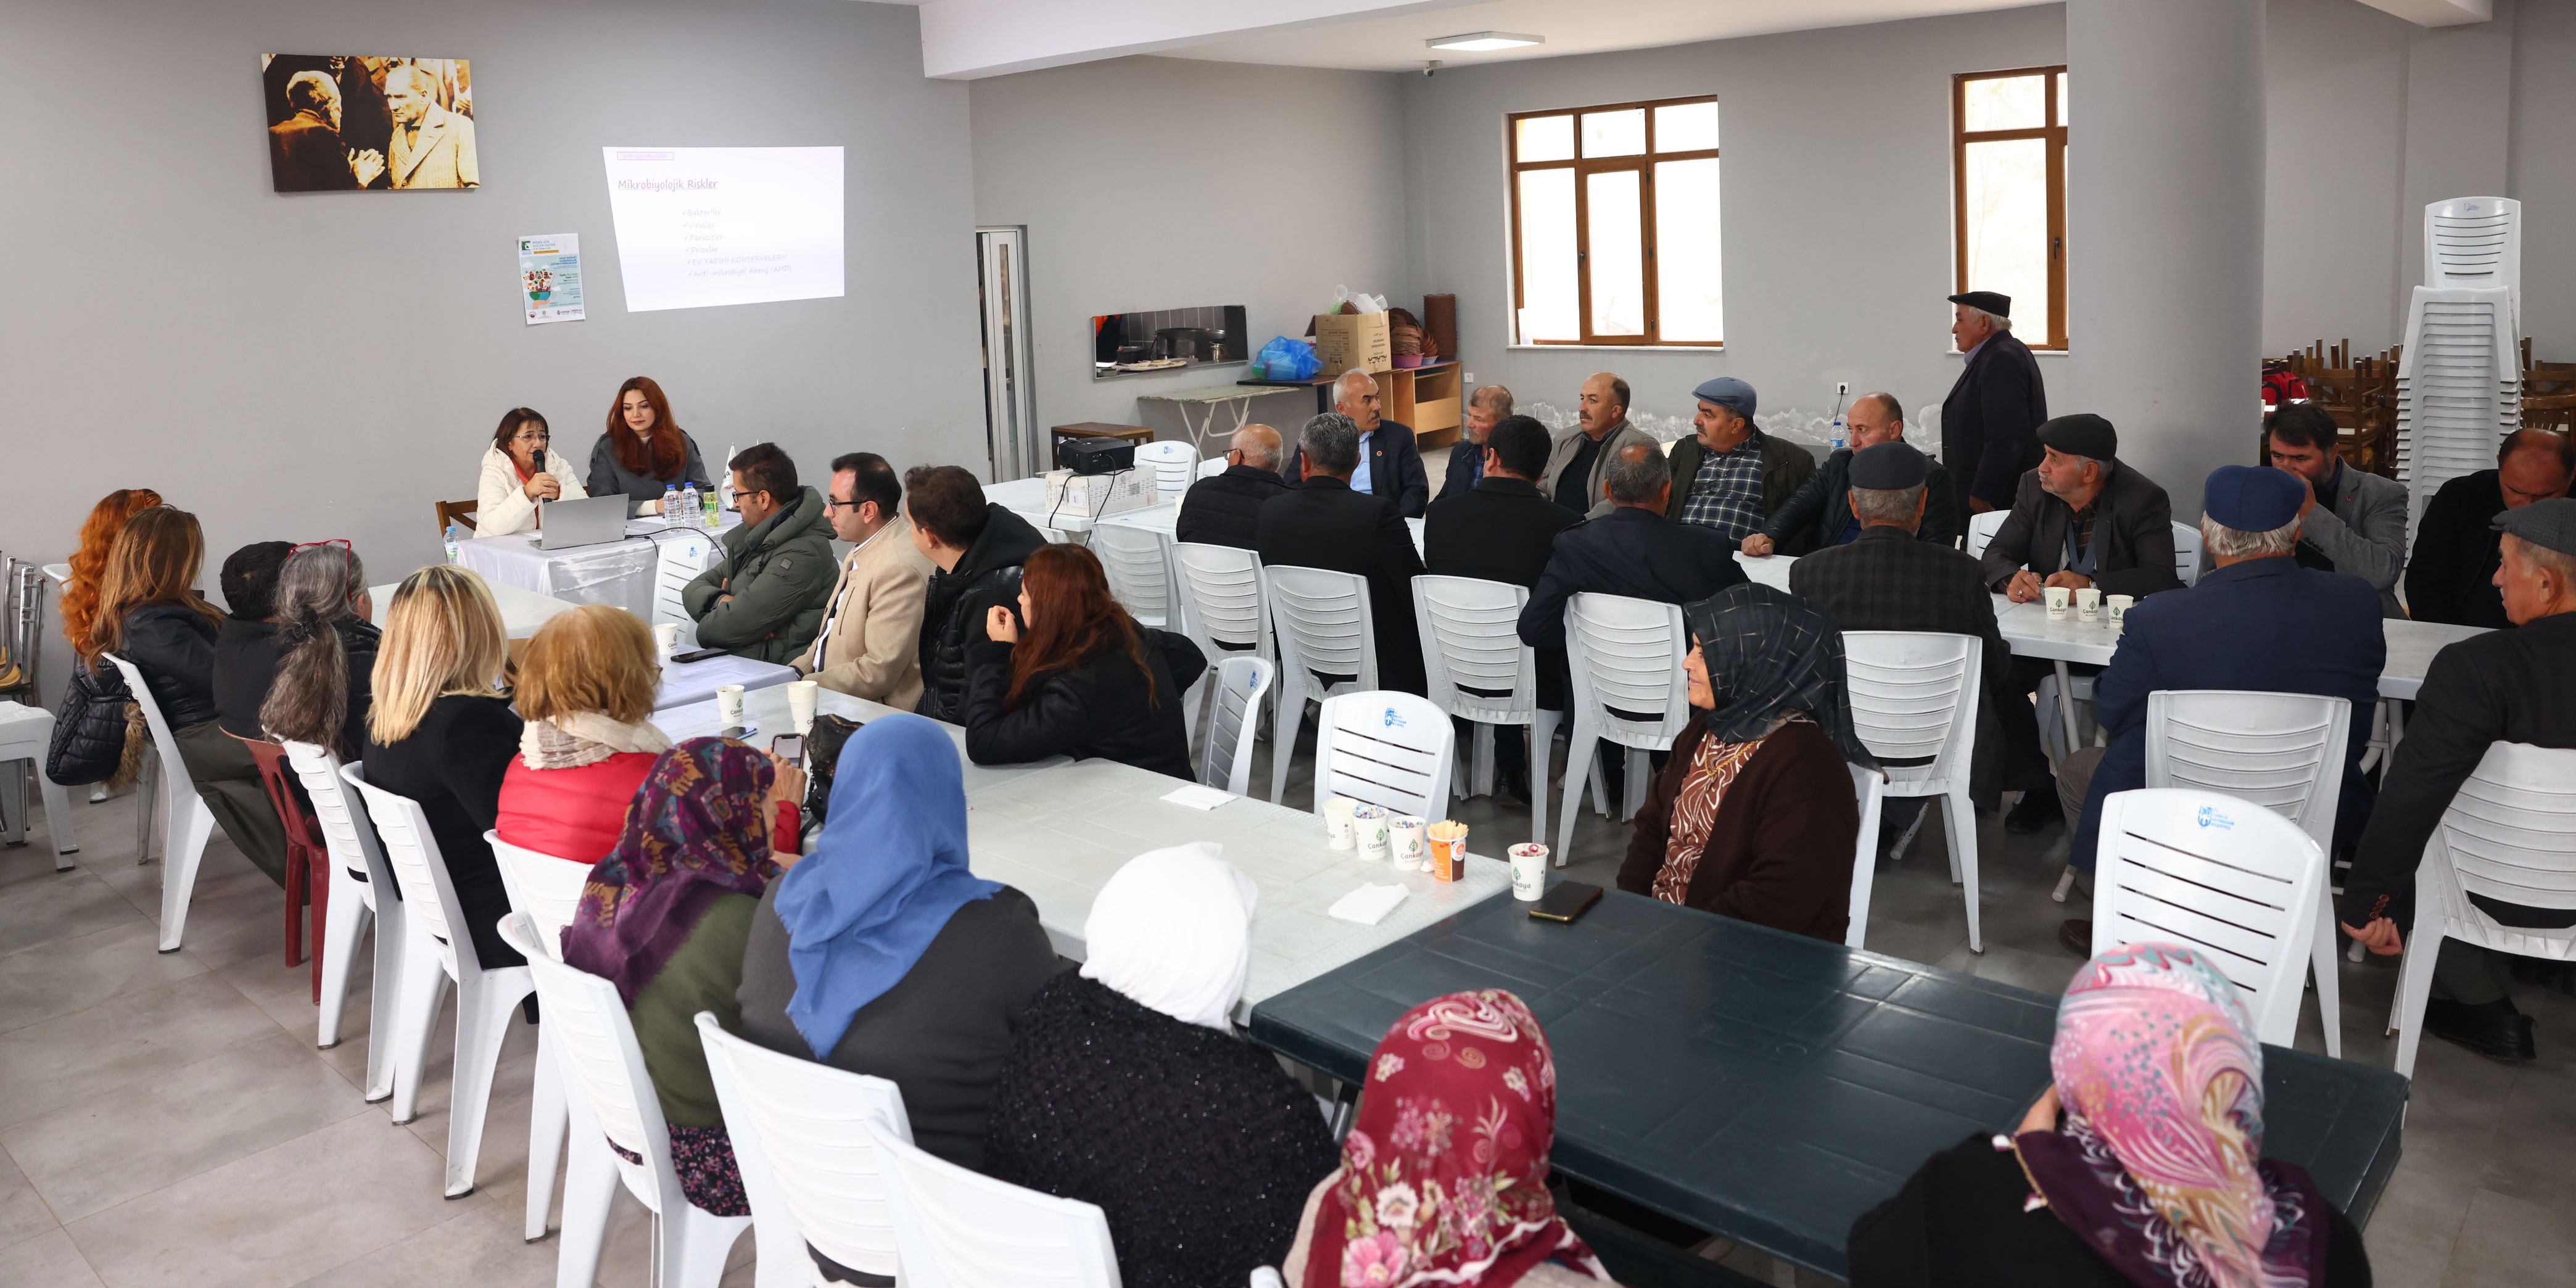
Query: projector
x=1095 y=455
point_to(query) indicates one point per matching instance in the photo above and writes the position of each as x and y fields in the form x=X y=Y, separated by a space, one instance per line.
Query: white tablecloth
x=614 y=572
x=522 y=611
x=684 y=683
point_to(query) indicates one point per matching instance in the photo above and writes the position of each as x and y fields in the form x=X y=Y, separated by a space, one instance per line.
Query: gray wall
x=327 y=364
x=1158 y=183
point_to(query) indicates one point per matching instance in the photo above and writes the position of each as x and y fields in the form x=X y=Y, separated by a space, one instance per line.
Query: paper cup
x=2058 y=597
x=1404 y=839
x=667 y=636
x=801 y=697
x=1339 y=831
x=1529 y=871
x=1370 y=823
x=2088 y=604
x=2117 y=608
x=729 y=704
x=1448 y=839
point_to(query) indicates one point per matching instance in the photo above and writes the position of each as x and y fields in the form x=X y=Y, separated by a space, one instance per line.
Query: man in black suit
x=2457 y=547
x=1818 y=515
x=1630 y=551
x=1390 y=462
x=305 y=153
x=1223 y=509
x=1486 y=408
x=1990 y=421
x=1322 y=523
x=1501 y=529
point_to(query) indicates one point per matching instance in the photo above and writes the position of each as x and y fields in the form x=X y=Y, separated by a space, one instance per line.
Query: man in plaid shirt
x=1732 y=476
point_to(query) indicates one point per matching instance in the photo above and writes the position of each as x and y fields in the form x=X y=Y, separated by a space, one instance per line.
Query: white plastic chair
x=1869 y=787
x=1226 y=759
x=1914 y=698
x=27 y=735
x=1481 y=672
x=439 y=950
x=2282 y=751
x=678 y=558
x=1323 y=629
x=358 y=873
x=1385 y=748
x=1174 y=464
x=60 y=572
x=599 y=1053
x=1626 y=656
x=2222 y=876
x=807 y=1167
x=1211 y=467
x=1139 y=575
x=186 y=823
x=548 y=889
x=1217 y=602
x=954 y=1228
x=2509 y=835
x=2187 y=553
x=2475 y=241
x=1982 y=529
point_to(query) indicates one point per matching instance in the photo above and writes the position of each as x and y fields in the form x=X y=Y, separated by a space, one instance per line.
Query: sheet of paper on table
x=1197 y=797
x=1369 y=904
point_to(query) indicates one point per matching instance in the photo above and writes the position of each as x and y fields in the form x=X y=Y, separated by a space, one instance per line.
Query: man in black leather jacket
x=977 y=548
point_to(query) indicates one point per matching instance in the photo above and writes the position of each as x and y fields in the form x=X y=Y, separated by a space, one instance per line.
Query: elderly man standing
x=2457 y=549
x=869 y=645
x=1990 y=420
x=1390 y=462
x=432 y=147
x=2255 y=621
x=2353 y=522
x=2080 y=519
x=1578 y=462
x=1733 y=476
x=1820 y=514
x=1223 y=509
x=2504 y=686
x=1323 y=523
x=1486 y=408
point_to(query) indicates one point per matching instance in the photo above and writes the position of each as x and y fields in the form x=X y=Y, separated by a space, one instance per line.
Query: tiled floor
x=165 y=1119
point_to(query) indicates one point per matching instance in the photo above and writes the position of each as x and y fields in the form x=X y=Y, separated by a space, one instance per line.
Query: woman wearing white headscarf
x=1127 y=1088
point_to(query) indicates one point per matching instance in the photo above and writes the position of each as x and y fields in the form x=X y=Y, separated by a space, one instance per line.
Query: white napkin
x=1369 y=904
x=1197 y=797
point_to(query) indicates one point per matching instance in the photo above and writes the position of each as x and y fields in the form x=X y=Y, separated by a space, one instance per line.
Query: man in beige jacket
x=870 y=642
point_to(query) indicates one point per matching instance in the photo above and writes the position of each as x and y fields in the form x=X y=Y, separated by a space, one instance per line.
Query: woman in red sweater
x=586 y=688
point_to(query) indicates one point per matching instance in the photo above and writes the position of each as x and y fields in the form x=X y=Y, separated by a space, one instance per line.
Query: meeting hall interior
x=1289 y=644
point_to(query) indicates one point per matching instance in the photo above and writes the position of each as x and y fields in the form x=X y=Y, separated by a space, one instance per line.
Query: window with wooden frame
x=1614 y=224
x=2008 y=168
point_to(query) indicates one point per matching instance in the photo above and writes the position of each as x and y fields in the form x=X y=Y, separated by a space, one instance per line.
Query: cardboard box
x=1098 y=495
x=1347 y=340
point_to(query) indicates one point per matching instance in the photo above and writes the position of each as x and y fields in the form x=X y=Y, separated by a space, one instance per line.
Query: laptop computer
x=587 y=522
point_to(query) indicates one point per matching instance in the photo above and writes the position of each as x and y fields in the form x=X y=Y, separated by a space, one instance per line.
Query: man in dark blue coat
x=2255 y=621
x=1990 y=421
x=1390 y=461
x=1487 y=407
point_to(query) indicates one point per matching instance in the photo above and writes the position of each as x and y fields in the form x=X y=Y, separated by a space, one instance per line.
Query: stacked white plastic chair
x=186 y=823
x=2220 y=875
x=2459 y=380
x=2282 y=751
x=1626 y=659
x=1174 y=463
x=1914 y=705
x=359 y=874
x=548 y=889
x=1478 y=668
x=2508 y=835
x=1139 y=572
x=799 y=1134
x=1324 y=630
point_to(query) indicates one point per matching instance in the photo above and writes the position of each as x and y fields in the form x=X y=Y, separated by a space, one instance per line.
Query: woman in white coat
x=519 y=470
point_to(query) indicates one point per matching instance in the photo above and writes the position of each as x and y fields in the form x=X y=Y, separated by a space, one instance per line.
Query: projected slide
x=706 y=226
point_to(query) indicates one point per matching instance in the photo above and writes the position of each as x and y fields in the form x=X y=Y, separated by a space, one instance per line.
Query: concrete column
x=2164 y=212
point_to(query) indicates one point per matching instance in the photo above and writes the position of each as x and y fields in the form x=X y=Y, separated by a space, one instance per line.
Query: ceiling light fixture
x=1479 y=42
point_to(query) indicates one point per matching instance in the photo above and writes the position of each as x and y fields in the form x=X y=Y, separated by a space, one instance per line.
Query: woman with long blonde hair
x=440 y=732
x=150 y=614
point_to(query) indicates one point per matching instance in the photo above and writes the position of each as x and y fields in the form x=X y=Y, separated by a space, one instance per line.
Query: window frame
x=2051 y=130
x=1643 y=165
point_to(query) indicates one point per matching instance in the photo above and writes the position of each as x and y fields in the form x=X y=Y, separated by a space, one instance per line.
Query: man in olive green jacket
x=766 y=598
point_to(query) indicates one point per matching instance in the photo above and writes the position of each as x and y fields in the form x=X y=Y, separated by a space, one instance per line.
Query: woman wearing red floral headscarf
x=1444 y=1178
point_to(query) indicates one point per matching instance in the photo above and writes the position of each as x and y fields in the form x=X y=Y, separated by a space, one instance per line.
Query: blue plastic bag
x=1289 y=358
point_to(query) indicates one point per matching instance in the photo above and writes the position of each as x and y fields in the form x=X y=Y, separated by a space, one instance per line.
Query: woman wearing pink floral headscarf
x=1444 y=1177
x=2141 y=1165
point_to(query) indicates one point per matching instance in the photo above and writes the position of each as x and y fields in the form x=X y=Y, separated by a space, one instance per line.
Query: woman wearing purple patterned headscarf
x=2141 y=1165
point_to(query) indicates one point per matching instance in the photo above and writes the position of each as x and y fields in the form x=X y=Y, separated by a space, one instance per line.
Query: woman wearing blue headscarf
x=881 y=954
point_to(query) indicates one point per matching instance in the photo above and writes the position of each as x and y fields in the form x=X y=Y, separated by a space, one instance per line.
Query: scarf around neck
x=697 y=833
x=585 y=738
x=1772 y=655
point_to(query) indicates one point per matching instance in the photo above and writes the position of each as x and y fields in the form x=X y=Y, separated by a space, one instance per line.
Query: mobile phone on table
x=697 y=655
x=1565 y=901
x=789 y=747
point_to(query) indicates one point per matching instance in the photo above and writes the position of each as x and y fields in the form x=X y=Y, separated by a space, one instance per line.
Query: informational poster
x=550 y=278
x=707 y=226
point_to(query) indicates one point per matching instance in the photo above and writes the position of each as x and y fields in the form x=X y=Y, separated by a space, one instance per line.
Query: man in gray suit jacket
x=2354 y=523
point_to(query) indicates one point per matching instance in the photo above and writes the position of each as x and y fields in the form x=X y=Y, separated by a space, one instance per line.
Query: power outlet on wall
x=1841 y=387
x=1471 y=377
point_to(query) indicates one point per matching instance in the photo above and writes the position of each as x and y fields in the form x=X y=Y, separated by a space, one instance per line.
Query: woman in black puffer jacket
x=1086 y=681
x=151 y=615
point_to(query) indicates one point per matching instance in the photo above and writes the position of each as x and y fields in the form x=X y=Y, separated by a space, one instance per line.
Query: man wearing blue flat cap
x=1731 y=476
x=2255 y=621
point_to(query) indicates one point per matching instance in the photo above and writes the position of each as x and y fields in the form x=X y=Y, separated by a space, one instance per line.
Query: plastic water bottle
x=1837 y=435
x=686 y=515
x=455 y=535
x=670 y=505
x=715 y=513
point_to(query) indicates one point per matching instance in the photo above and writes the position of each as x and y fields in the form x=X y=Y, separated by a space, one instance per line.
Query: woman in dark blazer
x=1753 y=816
x=1085 y=681
x=643 y=451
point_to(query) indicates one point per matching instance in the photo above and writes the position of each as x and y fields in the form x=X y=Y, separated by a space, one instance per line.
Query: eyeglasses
x=831 y=503
x=342 y=542
x=533 y=438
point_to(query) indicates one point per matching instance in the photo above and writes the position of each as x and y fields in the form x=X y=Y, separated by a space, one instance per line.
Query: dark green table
x=1771 y=1087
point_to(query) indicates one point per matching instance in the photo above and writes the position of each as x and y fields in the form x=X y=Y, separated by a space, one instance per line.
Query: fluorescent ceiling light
x=1478 y=42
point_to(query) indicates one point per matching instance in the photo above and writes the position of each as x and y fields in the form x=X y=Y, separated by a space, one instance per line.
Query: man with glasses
x=869 y=642
x=765 y=598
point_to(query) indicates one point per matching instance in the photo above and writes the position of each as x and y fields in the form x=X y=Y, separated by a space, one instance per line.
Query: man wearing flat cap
x=2081 y=519
x=2255 y=621
x=1732 y=476
x=1989 y=418
x=2503 y=686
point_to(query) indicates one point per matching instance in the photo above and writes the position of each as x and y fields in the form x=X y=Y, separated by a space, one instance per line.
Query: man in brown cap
x=1989 y=418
